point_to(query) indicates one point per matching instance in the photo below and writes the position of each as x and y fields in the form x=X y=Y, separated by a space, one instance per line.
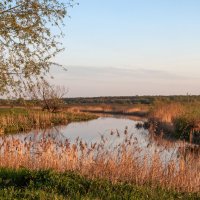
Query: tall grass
x=25 y=121
x=166 y=112
x=22 y=120
x=79 y=116
x=136 y=109
x=184 y=118
x=122 y=162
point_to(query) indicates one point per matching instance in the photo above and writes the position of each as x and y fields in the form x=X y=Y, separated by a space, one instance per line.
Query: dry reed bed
x=109 y=108
x=178 y=120
x=122 y=162
x=167 y=112
x=32 y=119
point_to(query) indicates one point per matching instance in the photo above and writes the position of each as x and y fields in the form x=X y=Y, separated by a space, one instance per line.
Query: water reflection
x=111 y=130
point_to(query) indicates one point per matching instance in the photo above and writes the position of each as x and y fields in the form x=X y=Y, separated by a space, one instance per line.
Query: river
x=111 y=129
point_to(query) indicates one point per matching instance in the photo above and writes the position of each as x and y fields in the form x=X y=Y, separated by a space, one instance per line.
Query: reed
x=166 y=112
x=178 y=119
x=80 y=116
x=21 y=122
x=123 y=162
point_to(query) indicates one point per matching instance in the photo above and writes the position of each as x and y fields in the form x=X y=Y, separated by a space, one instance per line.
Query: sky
x=131 y=47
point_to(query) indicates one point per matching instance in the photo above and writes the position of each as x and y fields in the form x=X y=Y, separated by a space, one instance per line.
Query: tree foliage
x=27 y=42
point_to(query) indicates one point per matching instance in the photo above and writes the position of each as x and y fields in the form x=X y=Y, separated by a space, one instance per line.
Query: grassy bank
x=21 y=120
x=25 y=184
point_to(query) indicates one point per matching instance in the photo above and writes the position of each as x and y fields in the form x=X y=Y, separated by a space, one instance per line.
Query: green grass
x=25 y=184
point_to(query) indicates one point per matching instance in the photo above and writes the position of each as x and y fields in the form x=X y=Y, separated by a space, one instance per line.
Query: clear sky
x=131 y=47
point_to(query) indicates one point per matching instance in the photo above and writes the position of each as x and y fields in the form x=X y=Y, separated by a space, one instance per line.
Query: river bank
x=15 y=120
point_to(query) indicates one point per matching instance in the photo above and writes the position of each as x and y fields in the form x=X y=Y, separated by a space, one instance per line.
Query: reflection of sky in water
x=92 y=131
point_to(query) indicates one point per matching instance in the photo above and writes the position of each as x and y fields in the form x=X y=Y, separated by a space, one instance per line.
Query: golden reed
x=123 y=162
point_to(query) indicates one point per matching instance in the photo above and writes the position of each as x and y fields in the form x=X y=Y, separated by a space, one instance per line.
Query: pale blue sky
x=103 y=39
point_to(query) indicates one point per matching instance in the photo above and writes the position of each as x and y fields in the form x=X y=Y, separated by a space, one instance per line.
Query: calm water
x=89 y=131
x=93 y=130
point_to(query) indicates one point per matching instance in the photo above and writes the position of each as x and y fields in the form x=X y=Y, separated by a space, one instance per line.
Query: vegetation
x=109 y=100
x=184 y=118
x=122 y=162
x=77 y=117
x=45 y=168
x=25 y=184
x=176 y=116
x=129 y=100
x=51 y=169
x=49 y=97
x=22 y=120
x=27 y=42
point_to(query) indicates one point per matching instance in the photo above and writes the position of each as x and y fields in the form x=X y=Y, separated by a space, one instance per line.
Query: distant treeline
x=132 y=99
x=109 y=100
x=126 y=100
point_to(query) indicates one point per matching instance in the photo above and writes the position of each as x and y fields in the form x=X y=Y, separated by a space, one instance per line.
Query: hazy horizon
x=106 y=81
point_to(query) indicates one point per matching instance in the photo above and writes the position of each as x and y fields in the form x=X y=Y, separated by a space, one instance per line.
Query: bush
x=183 y=126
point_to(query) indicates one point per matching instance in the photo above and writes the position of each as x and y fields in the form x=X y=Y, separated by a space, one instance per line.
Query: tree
x=50 y=97
x=27 y=42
